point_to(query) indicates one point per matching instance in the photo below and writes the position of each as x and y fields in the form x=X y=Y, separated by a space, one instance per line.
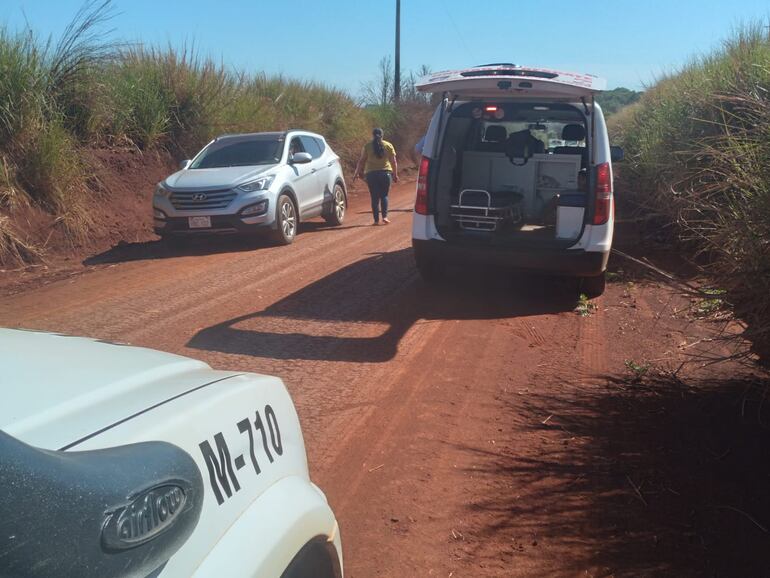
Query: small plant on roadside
x=584 y=307
x=638 y=370
x=711 y=305
x=615 y=276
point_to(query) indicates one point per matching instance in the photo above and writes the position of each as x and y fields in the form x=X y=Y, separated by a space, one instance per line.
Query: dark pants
x=379 y=187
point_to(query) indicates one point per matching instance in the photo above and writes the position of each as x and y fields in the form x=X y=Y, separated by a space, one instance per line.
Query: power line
x=457 y=30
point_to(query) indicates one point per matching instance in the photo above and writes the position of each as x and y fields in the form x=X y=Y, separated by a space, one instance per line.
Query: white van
x=516 y=172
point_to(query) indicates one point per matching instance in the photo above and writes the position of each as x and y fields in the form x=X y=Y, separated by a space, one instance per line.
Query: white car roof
x=511 y=81
x=58 y=389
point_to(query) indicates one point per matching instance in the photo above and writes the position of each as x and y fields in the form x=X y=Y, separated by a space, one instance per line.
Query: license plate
x=199 y=222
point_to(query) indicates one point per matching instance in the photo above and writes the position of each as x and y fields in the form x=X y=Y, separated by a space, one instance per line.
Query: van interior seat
x=523 y=144
x=494 y=139
x=573 y=132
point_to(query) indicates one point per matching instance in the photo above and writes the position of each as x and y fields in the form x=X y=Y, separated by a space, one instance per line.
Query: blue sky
x=340 y=42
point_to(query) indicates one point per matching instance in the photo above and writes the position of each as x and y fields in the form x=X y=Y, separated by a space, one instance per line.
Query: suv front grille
x=199 y=200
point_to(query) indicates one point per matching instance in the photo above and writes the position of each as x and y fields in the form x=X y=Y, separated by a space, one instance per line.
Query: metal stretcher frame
x=483 y=218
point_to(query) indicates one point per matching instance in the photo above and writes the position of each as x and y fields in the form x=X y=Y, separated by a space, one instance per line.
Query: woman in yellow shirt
x=378 y=159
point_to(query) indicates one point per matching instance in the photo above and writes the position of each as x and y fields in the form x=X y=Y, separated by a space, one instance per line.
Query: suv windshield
x=239 y=152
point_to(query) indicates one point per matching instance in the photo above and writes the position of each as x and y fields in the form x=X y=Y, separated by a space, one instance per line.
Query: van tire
x=431 y=271
x=593 y=286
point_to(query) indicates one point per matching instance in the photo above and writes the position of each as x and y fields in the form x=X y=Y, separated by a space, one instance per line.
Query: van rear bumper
x=574 y=262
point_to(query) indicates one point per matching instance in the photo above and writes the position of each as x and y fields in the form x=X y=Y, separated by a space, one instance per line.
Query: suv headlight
x=161 y=191
x=257 y=185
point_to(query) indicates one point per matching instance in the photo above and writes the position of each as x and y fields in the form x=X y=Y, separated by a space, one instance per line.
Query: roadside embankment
x=87 y=127
x=698 y=166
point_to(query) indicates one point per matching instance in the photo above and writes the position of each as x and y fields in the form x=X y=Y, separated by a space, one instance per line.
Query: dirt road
x=484 y=429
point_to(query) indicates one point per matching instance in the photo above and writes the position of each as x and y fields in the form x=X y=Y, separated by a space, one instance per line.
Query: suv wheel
x=593 y=286
x=286 y=220
x=339 y=205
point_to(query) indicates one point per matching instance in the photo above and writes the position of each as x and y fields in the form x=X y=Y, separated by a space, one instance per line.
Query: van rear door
x=510 y=81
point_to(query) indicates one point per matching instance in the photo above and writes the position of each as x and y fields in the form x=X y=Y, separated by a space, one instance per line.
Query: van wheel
x=339 y=206
x=286 y=220
x=593 y=286
x=430 y=271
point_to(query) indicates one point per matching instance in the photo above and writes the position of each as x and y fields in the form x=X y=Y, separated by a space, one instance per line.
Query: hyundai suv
x=244 y=183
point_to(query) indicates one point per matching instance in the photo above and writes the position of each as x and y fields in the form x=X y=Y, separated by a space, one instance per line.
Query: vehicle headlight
x=257 y=185
x=161 y=191
x=158 y=214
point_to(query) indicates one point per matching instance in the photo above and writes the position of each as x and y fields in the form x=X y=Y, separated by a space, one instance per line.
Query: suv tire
x=339 y=205
x=285 y=220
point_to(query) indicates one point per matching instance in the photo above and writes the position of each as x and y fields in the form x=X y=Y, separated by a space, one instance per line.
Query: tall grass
x=698 y=151
x=175 y=98
x=84 y=90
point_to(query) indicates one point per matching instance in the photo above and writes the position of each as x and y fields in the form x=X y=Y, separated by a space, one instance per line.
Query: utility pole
x=397 y=78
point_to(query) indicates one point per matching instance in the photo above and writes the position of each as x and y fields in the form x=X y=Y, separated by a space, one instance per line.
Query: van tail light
x=603 y=191
x=421 y=203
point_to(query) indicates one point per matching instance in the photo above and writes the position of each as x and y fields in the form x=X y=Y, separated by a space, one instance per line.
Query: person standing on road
x=378 y=160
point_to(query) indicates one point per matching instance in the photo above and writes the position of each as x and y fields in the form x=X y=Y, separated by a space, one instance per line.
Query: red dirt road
x=483 y=429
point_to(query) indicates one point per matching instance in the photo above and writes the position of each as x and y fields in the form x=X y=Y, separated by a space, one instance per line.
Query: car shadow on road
x=360 y=312
x=198 y=245
x=160 y=249
x=658 y=477
x=319 y=226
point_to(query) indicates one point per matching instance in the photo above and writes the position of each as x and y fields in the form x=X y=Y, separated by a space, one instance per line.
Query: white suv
x=244 y=183
x=516 y=172
x=122 y=461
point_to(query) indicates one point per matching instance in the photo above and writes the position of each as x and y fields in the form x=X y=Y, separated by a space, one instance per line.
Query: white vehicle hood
x=510 y=81
x=219 y=178
x=59 y=389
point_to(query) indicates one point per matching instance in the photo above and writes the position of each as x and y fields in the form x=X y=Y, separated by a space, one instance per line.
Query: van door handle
x=330 y=163
x=312 y=170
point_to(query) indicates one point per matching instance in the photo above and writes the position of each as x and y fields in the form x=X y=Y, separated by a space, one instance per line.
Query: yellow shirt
x=375 y=163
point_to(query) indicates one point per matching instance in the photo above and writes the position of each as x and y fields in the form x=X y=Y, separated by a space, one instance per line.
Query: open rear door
x=510 y=81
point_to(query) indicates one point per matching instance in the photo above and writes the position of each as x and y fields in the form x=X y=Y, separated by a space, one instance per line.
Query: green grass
x=585 y=307
x=698 y=155
x=637 y=370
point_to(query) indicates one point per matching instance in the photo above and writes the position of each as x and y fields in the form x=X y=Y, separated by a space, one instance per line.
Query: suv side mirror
x=184 y=164
x=300 y=158
x=617 y=154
